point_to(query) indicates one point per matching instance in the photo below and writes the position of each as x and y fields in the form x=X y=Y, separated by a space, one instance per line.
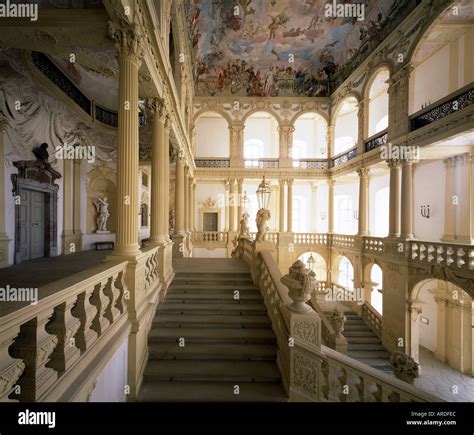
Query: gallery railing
x=210 y=237
x=344 y=158
x=310 y=163
x=212 y=163
x=455 y=102
x=376 y=141
x=372 y=318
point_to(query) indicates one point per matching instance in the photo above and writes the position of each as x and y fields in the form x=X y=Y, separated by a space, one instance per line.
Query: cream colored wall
x=205 y=190
x=428 y=333
x=212 y=136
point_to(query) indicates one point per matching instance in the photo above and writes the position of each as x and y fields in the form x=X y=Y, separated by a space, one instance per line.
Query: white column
x=466 y=200
x=395 y=198
x=227 y=205
x=314 y=208
x=130 y=51
x=363 y=202
x=290 y=205
x=407 y=200
x=179 y=195
x=331 y=184
x=451 y=200
x=282 y=206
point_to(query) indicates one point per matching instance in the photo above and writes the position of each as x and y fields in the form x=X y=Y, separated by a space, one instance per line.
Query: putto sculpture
x=300 y=282
x=102 y=207
x=404 y=367
x=263 y=216
x=244 y=225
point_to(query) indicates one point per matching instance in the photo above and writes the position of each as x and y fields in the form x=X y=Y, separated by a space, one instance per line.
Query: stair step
x=369 y=340
x=188 y=290
x=213 y=275
x=361 y=327
x=211 y=392
x=364 y=346
x=213 y=287
x=197 y=370
x=210 y=297
x=216 y=320
x=362 y=354
x=213 y=335
x=358 y=333
x=217 y=351
x=213 y=280
x=233 y=307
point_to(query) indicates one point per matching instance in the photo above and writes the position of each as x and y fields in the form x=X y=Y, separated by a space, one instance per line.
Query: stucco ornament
x=338 y=320
x=404 y=367
x=263 y=216
x=300 y=282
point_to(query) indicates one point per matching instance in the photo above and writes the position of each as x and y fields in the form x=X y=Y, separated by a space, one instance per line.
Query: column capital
x=179 y=154
x=331 y=182
x=290 y=181
x=3 y=122
x=450 y=162
x=282 y=181
x=128 y=40
x=465 y=158
x=227 y=184
x=156 y=106
x=236 y=127
x=286 y=128
x=399 y=76
x=393 y=163
x=363 y=172
x=240 y=182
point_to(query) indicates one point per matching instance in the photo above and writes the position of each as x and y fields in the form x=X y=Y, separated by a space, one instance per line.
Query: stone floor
x=42 y=271
x=441 y=380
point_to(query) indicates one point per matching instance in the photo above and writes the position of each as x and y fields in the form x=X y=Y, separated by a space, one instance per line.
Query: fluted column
x=227 y=205
x=290 y=206
x=363 y=201
x=179 y=195
x=451 y=200
x=193 y=206
x=314 y=208
x=407 y=199
x=331 y=184
x=186 y=199
x=158 y=232
x=165 y=179
x=361 y=127
x=233 y=200
x=4 y=240
x=282 y=206
x=240 y=182
x=129 y=44
x=466 y=200
x=394 y=197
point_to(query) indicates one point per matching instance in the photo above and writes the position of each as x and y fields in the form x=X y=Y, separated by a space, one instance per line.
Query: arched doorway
x=441 y=321
x=316 y=263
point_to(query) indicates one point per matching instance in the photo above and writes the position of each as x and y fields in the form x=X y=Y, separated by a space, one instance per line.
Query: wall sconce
x=425 y=211
x=323 y=215
x=356 y=215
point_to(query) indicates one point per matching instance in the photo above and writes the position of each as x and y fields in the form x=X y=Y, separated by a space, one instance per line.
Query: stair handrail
x=329 y=335
x=310 y=370
x=372 y=318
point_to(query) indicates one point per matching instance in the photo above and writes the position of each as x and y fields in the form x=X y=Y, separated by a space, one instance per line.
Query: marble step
x=369 y=353
x=213 y=275
x=202 y=370
x=233 y=307
x=213 y=335
x=211 y=392
x=228 y=280
x=364 y=346
x=357 y=327
x=214 y=320
x=212 y=297
x=358 y=333
x=216 y=351
x=368 y=339
x=213 y=287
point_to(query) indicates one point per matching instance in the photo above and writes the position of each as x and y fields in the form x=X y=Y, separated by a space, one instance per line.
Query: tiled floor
x=441 y=380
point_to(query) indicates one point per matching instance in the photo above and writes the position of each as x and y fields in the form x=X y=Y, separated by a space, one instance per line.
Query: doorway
x=32 y=224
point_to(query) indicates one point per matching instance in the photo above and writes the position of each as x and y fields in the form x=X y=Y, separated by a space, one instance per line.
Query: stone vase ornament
x=301 y=282
x=404 y=367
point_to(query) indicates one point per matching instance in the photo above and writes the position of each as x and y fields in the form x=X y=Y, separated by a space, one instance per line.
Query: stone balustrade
x=310 y=370
x=372 y=318
x=43 y=344
x=459 y=257
x=311 y=239
x=210 y=237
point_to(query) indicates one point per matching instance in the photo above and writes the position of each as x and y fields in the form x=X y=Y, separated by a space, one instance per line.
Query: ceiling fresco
x=284 y=47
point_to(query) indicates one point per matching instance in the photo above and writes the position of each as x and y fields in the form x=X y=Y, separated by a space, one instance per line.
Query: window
x=309 y=137
x=319 y=267
x=345 y=219
x=346 y=273
x=300 y=221
x=346 y=126
x=378 y=103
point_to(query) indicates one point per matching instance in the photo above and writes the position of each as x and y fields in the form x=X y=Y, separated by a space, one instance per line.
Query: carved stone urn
x=300 y=282
x=404 y=367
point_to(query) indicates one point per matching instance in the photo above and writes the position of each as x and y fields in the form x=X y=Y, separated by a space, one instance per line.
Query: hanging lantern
x=311 y=261
x=263 y=194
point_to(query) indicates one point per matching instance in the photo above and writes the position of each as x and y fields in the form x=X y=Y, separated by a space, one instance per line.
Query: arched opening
x=212 y=136
x=441 y=325
x=316 y=264
x=261 y=138
x=441 y=59
x=344 y=272
x=309 y=137
x=144 y=215
x=378 y=103
x=376 y=279
x=346 y=126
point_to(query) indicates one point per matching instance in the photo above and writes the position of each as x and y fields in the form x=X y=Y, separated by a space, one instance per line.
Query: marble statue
x=263 y=216
x=244 y=226
x=102 y=207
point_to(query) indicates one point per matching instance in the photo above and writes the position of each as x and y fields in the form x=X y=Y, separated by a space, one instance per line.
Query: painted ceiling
x=283 y=47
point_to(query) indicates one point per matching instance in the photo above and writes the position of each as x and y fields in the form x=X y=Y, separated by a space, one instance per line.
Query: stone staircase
x=211 y=338
x=363 y=345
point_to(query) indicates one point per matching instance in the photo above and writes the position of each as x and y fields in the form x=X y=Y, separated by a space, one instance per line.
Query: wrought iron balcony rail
x=376 y=141
x=212 y=163
x=344 y=158
x=462 y=98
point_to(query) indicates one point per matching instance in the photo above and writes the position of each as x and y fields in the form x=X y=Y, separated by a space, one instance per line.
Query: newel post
x=304 y=335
